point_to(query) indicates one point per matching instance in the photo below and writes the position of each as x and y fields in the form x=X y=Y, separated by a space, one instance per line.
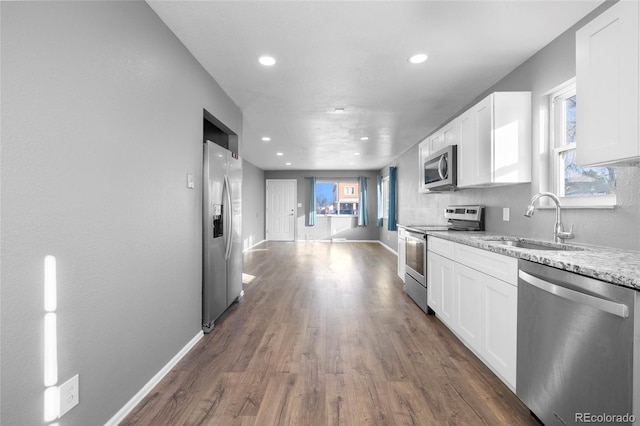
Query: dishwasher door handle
x=605 y=305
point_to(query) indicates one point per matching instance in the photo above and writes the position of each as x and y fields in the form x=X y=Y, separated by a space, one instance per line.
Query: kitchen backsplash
x=616 y=227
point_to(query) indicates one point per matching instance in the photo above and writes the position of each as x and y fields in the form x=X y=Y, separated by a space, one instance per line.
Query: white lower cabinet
x=402 y=252
x=440 y=294
x=481 y=309
x=468 y=291
x=500 y=318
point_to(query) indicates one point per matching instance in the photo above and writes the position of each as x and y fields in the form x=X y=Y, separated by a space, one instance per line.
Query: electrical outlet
x=505 y=214
x=69 y=394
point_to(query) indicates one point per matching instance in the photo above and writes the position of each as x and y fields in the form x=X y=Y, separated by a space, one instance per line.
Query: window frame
x=337 y=182
x=385 y=197
x=557 y=147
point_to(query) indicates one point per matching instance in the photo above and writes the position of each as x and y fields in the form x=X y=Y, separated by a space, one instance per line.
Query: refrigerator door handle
x=228 y=220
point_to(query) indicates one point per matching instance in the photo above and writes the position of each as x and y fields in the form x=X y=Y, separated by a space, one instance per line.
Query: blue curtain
x=363 y=211
x=380 y=206
x=391 y=223
x=312 y=201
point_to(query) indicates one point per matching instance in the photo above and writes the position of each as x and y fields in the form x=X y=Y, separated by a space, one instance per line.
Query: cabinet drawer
x=402 y=233
x=496 y=265
x=442 y=247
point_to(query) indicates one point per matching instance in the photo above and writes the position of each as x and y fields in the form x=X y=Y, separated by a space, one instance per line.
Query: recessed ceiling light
x=267 y=61
x=287 y=164
x=418 y=58
x=351 y=164
x=364 y=138
x=266 y=138
x=338 y=110
x=356 y=153
x=279 y=154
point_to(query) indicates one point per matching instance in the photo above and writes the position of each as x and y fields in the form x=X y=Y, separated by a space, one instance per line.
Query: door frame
x=295 y=206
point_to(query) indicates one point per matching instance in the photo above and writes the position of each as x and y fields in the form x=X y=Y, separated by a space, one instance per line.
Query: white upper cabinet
x=607 y=82
x=494 y=141
x=424 y=148
x=447 y=135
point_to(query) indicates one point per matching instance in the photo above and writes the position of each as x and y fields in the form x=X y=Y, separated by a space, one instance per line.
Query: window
x=575 y=185
x=337 y=198
x=385 y=197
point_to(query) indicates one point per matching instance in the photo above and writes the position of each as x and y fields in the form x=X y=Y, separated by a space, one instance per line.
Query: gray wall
x=347 y=227
x=253 y=190
x=549 y=68
x=101 y=122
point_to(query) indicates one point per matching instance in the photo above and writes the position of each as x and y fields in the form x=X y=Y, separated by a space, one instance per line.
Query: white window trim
x=336 y=182
x=385 y=197
x=565 y=91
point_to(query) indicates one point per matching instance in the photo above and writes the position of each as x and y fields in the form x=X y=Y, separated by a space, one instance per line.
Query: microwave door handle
x=440 y=163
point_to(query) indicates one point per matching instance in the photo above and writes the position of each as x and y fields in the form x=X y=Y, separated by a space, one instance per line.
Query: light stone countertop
x=616 y=266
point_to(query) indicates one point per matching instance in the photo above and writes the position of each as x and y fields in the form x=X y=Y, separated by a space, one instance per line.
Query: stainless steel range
x=459 y=218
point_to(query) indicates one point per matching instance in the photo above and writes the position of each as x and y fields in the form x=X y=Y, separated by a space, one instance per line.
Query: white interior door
x=281 y=209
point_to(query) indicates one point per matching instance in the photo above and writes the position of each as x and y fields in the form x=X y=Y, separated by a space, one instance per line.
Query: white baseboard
x=337 y=240
x=146 y=389
x=253 y=246
x=387 y=247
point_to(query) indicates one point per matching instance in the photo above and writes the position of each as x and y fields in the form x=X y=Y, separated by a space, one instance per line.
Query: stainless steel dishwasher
x=575 y=347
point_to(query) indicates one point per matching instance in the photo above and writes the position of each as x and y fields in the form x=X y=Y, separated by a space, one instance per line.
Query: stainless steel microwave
x=440 y=169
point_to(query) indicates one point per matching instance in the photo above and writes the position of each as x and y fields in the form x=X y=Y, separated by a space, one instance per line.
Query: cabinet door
x=500 y=327
x=448 y=135
x=424 y=148
x=451 y=133
x=447 y=306
x=440 y=272
x=402 y=255
x=467 y=148
x=437 y=141
x=607 y=86
x=511 y=132
x=482 y=163
x=434 y=283
x=469 y=316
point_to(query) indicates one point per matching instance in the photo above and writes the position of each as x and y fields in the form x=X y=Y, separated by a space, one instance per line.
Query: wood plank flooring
x=326 y=336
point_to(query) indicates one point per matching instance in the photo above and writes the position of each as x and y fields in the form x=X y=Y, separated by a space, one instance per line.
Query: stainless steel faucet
x=558 y=230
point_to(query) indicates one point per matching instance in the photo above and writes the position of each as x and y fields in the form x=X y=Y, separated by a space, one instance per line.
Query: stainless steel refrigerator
x=222 y=232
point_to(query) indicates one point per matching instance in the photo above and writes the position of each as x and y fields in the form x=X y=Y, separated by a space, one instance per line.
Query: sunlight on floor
x=247 y=278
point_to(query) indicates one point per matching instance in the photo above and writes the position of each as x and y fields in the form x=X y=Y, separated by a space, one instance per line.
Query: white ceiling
x=353 y=55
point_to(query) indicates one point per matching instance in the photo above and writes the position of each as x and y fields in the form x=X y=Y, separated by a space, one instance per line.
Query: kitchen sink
x=532 y=244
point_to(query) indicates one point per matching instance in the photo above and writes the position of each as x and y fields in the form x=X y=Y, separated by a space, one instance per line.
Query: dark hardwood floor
x=326 y=336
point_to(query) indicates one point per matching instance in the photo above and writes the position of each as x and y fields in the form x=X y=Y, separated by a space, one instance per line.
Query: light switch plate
x=190 y=182
x=505 y=214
